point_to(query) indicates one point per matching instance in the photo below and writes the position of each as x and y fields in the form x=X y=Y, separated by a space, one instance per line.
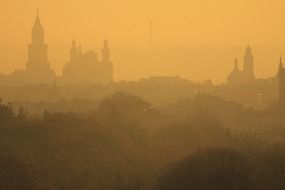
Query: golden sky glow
x=191 y=23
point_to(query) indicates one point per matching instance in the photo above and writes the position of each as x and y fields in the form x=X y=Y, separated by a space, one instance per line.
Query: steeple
x=280 y=66
x=280 y=63
x=73 y=43
x=106 y=61
x=37 y=65
x=236 y=64
x=74 y=50
x=106 y=52
x=106 y=45
x=248 y=50
x=234 y=77
x=38 y=30
x=235 y=70
x=281 y=80
x=248 y=64
x=38 y=20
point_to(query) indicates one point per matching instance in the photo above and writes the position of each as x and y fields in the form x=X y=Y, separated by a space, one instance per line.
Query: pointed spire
x=73 y=42
x=106 y=40
x=106 y=44
x=248 y=48
x=280 y=67
x=236 y=62
x=280 y=63
x=37 y=21
x=106 y=51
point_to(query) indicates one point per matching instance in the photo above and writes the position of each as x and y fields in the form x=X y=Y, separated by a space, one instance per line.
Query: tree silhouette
x=216 y=169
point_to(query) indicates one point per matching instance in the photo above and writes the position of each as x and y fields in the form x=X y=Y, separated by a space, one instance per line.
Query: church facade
x=85 y=67
x=82 y=67
x=37 y=69
x=245 y=75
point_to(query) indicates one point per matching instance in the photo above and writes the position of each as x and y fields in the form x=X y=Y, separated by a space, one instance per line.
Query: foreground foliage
x=128 y=144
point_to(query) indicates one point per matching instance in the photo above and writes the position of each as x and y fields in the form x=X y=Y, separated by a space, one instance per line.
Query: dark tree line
x=223 y=169
x=129 y=144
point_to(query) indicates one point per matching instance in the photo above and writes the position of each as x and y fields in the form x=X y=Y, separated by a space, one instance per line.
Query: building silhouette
x=37 y=70
x=37 y=67
x=86 y=67
x=82 y=66
x=246 y=75
x=281 y=82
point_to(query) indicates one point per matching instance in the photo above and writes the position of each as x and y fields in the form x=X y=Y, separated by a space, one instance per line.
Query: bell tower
x=37 y=66
x=106 y=61
x=248 y=65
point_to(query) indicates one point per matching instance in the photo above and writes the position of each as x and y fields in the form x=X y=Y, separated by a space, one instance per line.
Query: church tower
x=106 y=52
x=281 y=81
x=73 y=51
x=106 y=61
x=235 y=76
x=248 y=65
x=38 y=67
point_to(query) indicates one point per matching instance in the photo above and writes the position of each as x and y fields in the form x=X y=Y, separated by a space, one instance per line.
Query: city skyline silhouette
x=142 y=95
x=175 y=37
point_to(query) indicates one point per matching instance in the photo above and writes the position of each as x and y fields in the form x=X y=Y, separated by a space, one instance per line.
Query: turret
x=37 y=66
x=37 y=31
x=106 y=61
x=236 y=64
x=73 y=51
x=248 y=66
x=281 y=81
x=106 y=52
x=280 y=64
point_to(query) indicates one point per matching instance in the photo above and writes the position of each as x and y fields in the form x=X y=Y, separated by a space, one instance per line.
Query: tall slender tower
x=106 y=52
x=248 y=65
x=38 y=67
x=106 y=61
x=280 y=66
x=281 y=81
x=73 y=51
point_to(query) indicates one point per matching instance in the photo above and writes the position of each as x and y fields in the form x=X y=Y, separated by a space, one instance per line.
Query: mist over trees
x=127 y=143
x=221 y=168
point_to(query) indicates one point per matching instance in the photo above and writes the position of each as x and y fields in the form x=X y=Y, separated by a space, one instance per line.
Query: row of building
x=86 y=67
x=82 y=66
x=244 y=76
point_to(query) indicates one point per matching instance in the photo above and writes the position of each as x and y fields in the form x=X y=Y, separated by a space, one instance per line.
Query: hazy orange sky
x=183 y=23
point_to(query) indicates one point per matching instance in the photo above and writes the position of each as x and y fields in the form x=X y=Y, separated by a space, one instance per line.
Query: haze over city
x=197 y=40
x=142 y=95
